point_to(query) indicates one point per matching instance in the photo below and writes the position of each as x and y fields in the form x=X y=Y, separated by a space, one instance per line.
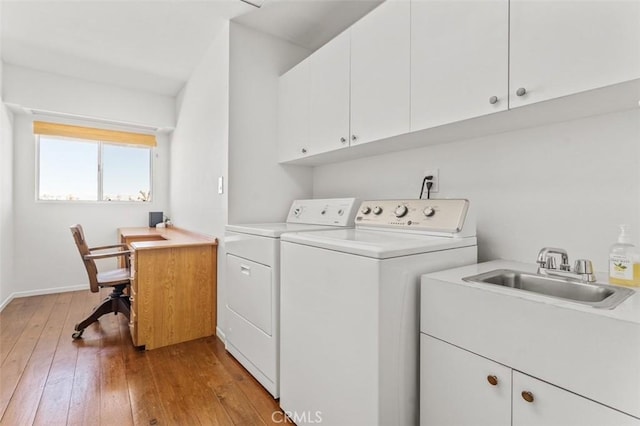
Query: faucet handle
x=550 y=263
x=546 y=258
x=583 y=266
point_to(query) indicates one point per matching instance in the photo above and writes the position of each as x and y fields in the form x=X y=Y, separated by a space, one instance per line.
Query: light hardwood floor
x=47 y=378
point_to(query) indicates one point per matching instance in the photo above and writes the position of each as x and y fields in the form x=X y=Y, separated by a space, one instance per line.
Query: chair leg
x=116 y=302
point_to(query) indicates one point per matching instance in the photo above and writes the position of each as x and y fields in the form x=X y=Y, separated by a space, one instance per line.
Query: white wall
x=66 y=95
x=46 y=258
x=199 y=144
x=6 y=199
x=199 y=151
x=226 y=127
x=566 y=185
x=260 y=190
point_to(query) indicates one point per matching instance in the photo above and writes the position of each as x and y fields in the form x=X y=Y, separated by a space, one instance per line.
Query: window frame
x=99 y=175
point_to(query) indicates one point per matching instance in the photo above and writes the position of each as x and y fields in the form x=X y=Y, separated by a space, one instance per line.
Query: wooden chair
x=118 y=279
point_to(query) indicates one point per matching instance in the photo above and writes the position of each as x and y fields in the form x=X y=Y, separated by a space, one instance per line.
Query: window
x=77 y=169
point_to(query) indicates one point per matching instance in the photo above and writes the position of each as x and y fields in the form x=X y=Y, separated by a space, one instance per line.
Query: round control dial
x=297 y=212
x=365 y=210
x=429 y=211
x=377 y=210
x=400 y=211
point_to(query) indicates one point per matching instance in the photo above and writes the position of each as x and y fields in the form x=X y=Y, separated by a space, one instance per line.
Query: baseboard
x=19 y=294
x=221 y=335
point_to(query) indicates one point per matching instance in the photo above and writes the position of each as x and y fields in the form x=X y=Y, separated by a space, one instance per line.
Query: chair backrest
x=89 y=264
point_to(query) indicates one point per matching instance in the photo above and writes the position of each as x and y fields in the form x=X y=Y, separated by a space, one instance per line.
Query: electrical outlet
x=435 y=180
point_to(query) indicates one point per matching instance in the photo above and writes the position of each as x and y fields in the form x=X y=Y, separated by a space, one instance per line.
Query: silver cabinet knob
x=303 y=150
x=343 y=140
x=521 y=91
x=493 y=100
x=354 y=138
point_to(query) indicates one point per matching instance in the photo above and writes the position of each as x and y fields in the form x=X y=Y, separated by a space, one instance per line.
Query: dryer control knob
x=365 y=210
x=400 y=211
x=377 y=210
x=429 y=211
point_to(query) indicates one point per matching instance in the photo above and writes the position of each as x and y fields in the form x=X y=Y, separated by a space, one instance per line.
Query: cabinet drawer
x=132 y=297
x=133 y=327
x=132 y=265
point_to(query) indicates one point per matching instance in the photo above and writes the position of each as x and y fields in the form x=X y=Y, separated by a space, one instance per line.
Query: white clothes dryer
x=350 y=310
x=252 y=335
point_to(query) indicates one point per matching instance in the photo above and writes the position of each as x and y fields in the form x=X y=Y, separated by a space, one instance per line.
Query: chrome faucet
x=582 y=269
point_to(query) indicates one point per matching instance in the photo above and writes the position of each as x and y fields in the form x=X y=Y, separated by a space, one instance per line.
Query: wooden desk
x=173 y=285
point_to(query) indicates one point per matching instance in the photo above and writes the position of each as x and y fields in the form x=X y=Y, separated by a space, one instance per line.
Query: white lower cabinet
x=460 y=388
x=539 y=403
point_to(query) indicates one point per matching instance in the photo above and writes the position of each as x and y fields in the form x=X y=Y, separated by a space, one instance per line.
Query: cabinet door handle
x=303 y=150
x=245 y=270
x=354 y=138
x=521 y=91
x=493 y=380
x=343 y=139
x=493 y=100
x=527 y=396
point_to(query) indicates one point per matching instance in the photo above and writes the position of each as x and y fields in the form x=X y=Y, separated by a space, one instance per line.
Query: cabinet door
x=380 y=74
x=460 y=388
x=562 y=47
x=293 y=112
x=329 y=96
x=459 y=60
x=552 y=406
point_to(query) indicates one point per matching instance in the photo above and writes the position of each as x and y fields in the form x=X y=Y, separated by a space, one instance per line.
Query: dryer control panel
x=437 y=217
x=329 y=211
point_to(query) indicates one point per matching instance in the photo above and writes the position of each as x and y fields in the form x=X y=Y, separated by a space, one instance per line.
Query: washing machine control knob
x=377 y=210
x=297 y=212
x=365 y=210
x=400 y=211
x=429 y=211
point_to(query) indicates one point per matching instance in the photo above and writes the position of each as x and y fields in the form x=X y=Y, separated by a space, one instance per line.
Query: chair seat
x=113 y=277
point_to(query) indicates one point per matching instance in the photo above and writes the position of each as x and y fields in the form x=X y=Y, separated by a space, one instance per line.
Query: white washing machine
x=253 y=282
x=349 y=350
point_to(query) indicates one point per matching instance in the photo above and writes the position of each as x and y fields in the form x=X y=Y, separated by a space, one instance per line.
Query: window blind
x=91 y=133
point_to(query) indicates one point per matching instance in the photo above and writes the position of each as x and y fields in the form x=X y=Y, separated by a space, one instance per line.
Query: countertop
x=156 y=238
x=628 y=310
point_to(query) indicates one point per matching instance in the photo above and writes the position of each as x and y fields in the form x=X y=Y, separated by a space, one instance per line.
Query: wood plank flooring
x=47 y=378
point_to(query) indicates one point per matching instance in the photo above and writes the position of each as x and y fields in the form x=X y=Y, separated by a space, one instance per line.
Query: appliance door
x=250 y=291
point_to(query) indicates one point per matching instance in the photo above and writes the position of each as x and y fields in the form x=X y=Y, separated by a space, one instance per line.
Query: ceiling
x=153 y=45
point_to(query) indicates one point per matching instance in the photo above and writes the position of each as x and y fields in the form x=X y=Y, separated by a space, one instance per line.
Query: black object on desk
x=155 y=218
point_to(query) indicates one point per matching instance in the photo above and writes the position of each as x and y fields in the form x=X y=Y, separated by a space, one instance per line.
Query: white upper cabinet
x=416 y=65
x=380 y=73
x=459 y=60
x=563 y=47
x=329 y=96
x=293 y=113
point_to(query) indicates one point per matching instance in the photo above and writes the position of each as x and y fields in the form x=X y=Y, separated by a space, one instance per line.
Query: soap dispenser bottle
x=624 y=260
